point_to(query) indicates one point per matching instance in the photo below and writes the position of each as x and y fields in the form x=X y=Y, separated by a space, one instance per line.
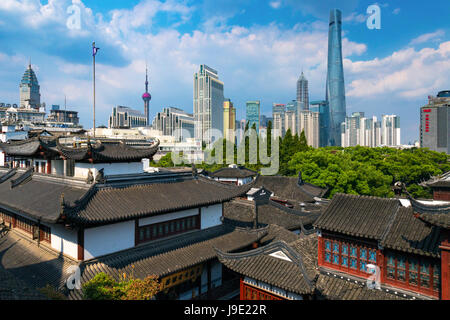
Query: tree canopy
x=352 y=170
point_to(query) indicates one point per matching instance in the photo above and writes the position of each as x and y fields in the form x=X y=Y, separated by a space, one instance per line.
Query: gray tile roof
x=436 y=214
x=412 y=235
x=27 y=265
x=239 y=172
x=168 y=256
x=241 y=212
x=330 y=287
x=39 y=198
x=287 y=188
x=103 y=204
x=294 y=276
x=257 y=264
x=381 y=219
x=99 y=151
x=360 y=216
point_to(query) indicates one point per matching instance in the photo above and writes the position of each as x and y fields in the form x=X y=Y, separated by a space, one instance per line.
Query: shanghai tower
x=335 y=94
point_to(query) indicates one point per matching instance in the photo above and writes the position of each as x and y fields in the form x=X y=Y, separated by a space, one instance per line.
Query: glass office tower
x=335 y=91
x=253 y=114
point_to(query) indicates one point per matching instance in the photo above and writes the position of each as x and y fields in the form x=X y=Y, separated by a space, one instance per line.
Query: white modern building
x=176 y=122
x=357 y=130
x=309 y=123
x=208 y=104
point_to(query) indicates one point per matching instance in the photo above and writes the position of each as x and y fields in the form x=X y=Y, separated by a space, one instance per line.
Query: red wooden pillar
x=380 y=264
x=445 y=266
x=320 y=251
x=241 y=289
x=49 y=166
x=81 y=244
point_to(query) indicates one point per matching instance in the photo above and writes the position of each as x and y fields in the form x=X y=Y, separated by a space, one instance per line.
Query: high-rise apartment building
x=302 y=93
x=278 y=111
x=253 y=114
x=309 y=123
x=322 y=107
x=208 y=104
x=291 y=117
x=390 y=130
x=174 y=122
x=335 y=86
x=30 y=96
x=435 y=123
x=229 y=121
x=357 y=130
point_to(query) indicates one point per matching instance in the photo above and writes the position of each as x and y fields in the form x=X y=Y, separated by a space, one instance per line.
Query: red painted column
x=81 y=244
x=49 y=167
x=241 y=287
x=445 y=266
x=380 y=264
x=320 y=251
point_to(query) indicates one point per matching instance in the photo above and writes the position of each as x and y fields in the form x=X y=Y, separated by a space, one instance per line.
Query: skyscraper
x=253 y=113
x=278 y=111
x=30 y=96
x=229 y=121
x=208 y=104
x=309 y=123
x=323 y=109
x=390 y=130
x=435 y=123
x=335 y=87
x=291 y=117
x=146 y=97
x=302 y=93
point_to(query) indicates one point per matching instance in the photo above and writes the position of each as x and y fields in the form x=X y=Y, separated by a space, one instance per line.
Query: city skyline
x=379 y=75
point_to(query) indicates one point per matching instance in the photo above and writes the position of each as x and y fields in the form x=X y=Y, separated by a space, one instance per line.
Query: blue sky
x=259 y=48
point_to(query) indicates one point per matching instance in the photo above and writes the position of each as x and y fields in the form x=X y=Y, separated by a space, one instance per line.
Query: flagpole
x=93 y=51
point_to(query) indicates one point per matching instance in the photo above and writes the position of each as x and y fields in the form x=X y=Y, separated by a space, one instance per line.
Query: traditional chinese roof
x=36 y=196
x=108 y=151
x=168 y=256
x=435 y=212
x=334 y=287
x=291 y=273
x=231 y=172
x=99 y=151
x=25 y=268
x=118 y=198
x=442 y=181
x=360 y=216
x=39 y=266
x=30 y=147
x=384 y=220
x=287 y=188
x=241 y=212
x=412 y=235
x=105 y=204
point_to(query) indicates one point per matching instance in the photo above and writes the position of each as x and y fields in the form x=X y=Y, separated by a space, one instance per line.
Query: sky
x=258 y=47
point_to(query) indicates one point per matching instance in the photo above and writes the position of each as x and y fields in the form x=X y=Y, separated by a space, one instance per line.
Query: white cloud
x=406 y=73
x=433 y=36
x=354 y=17
x=396 y=11
x=275 y=4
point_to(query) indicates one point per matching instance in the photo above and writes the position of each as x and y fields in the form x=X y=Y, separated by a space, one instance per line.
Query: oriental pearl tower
x=146 y=97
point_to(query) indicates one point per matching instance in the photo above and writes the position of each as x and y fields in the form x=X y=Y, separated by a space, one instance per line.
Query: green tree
x=104 y=287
